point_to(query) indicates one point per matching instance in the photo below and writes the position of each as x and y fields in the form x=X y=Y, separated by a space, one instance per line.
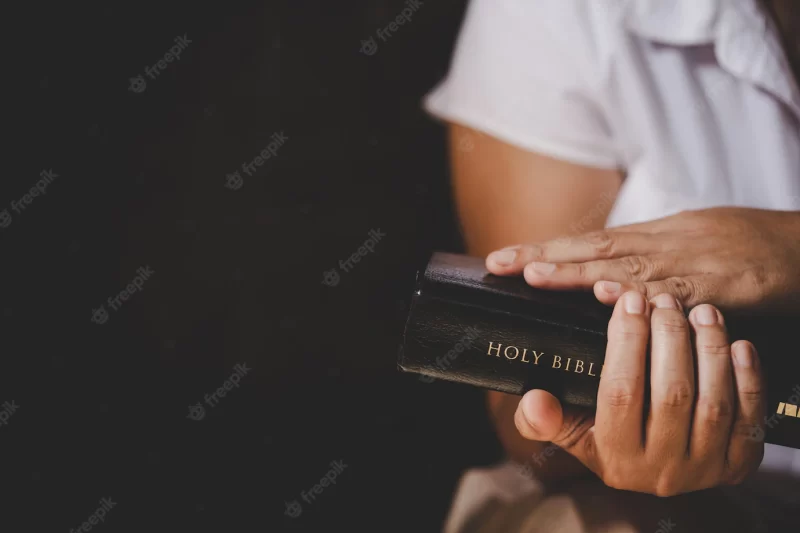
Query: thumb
x=540 y=417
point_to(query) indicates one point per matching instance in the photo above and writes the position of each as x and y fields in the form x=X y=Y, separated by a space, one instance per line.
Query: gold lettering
x=557 y=360
x=579 y=367
x=591 y=365
x=524 y=354
x=516 y=352
x=537 y=356
x=491 y=348
x=568 y=360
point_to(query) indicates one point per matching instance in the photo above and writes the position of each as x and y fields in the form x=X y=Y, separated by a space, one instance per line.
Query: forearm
x=506 y=196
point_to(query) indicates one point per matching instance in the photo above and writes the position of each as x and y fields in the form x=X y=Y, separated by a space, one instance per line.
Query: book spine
x=492 y=349
x=489 y=348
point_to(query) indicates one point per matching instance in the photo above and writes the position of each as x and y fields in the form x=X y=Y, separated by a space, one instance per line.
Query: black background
x=237 y=273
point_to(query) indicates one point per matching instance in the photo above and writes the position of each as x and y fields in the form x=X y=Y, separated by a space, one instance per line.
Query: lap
x=764 y=504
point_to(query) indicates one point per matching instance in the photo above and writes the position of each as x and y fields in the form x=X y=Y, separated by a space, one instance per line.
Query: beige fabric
x=766 y=503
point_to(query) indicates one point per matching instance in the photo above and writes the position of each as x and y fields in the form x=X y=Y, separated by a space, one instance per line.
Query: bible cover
x=468 y=326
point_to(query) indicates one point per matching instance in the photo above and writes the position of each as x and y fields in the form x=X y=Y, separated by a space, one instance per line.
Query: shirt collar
x=744 y=38
x=677 y=22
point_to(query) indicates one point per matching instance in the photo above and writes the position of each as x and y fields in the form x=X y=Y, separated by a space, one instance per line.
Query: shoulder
x=584 y=33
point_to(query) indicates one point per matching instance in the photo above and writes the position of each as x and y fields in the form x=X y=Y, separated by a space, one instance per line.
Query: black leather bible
x=498 y=333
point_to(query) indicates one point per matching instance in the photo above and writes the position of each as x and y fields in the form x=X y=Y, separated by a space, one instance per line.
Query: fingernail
x=634 y=303
x=742 y=355
x=705 y=315
x=665 y=301
x=544 y=269
x=611 y=287
x=503 y=257
x=531 y=429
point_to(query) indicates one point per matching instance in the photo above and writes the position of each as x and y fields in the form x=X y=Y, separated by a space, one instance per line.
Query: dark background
x=237 y=273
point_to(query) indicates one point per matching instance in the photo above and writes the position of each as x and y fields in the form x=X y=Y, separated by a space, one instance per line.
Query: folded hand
x=699 y=426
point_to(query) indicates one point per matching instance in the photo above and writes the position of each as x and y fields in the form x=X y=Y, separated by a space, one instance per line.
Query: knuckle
x=712 y=349
x=601 y=242
x=637 y=267
x=714 y=412
x=751 y=432
x=581 y=271
x=531 y=252
x=670 y=324
x=751 y=394
x=666 y=487
x=684 y=288
x=756 y=276
x=621 y=392
x=667 y=484
x=615 y=479
x=678 y=394
x=669 y=479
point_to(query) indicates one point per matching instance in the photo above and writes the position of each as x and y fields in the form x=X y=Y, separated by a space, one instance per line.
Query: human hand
x=697 y=429
x=734 y=258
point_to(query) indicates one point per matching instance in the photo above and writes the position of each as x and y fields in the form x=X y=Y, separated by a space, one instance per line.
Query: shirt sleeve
x=524 y=72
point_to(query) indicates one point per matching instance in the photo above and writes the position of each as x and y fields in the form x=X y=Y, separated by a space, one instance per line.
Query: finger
x=602 y=245
x=622 y=270
x=540 y=417
x=689 y=290
x=714 y=409
x=618 y=421
x=587 y=247
x=512 y=260
x=746 y=446
x=671 y=381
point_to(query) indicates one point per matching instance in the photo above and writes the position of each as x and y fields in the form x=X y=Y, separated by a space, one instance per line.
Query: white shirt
x=693 y=99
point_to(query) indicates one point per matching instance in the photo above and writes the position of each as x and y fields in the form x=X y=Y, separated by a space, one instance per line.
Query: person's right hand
x=698 y=429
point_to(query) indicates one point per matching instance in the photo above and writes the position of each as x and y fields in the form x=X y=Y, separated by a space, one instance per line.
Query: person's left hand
x=734 y=258
x=699 y=424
